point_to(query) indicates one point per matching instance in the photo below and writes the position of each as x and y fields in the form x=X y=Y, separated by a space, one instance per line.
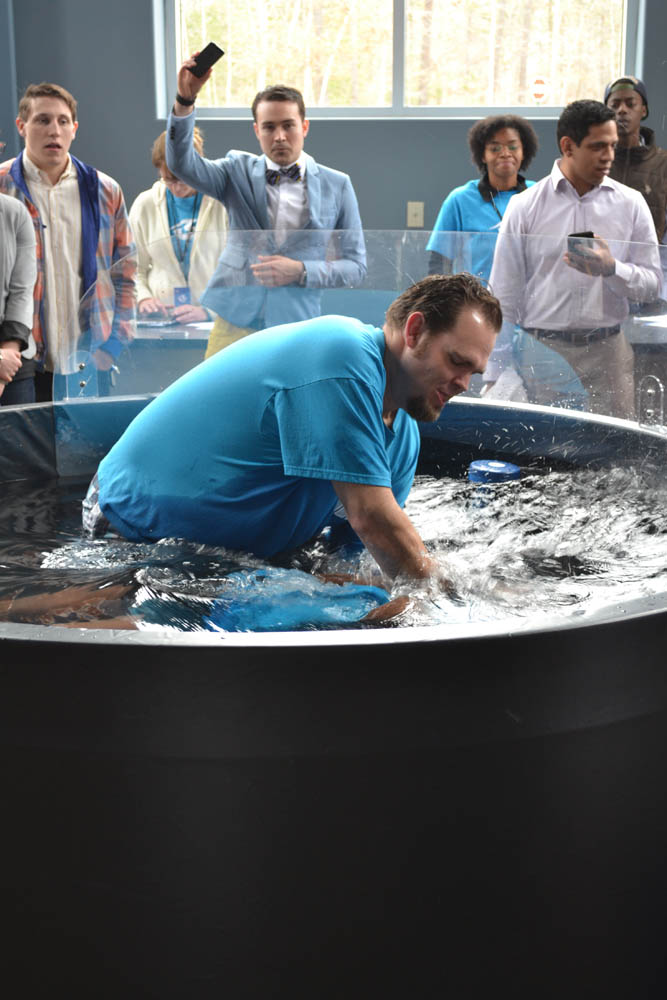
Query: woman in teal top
x=501 y=146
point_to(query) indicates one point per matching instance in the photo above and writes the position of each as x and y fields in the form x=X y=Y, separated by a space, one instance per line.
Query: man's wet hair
x=441 y=299
x=45 y=90
x=482 y=133
x=280 y=92
x=577 y=118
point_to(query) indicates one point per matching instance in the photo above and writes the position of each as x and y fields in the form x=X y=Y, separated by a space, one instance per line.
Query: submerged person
x=269 y=599
x=179 y=234
x=255 y=448
x=501 y=147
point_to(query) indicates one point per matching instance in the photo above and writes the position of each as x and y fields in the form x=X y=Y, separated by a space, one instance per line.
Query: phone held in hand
x=206 y=58
x=581 y=244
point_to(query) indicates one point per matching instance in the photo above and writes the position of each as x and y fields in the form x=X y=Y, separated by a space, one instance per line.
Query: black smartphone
x=206 y=58
x=581 y=243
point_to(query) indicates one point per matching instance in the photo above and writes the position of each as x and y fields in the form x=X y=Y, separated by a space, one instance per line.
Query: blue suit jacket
x=331 y=245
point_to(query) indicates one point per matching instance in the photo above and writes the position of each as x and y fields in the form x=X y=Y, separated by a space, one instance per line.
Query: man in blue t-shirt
x=255 y=448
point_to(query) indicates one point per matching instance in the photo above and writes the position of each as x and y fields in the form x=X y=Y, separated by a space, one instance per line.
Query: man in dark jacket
x=639 y=163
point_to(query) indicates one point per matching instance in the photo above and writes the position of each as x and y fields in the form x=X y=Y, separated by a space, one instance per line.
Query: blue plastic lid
x=491 y=471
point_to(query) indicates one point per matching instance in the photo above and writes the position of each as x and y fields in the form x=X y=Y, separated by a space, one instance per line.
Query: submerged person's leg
x=88 y=603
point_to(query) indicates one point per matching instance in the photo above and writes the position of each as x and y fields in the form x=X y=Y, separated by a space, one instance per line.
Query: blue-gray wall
x=8 y=134
x=103 y=53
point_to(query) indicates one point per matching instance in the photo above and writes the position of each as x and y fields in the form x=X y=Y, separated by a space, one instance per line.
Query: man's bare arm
x=386 y=530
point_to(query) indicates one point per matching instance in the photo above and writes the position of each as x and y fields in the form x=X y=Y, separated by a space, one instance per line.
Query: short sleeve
x=449 y=222
x=333 y=429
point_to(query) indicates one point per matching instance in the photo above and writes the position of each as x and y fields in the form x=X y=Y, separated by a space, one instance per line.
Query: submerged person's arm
x=386 y=531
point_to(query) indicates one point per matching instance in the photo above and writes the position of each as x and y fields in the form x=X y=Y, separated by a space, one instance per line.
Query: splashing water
x=542 y=544
x=553 y=543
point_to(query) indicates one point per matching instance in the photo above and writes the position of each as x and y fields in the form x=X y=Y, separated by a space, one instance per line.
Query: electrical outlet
x=415 y=215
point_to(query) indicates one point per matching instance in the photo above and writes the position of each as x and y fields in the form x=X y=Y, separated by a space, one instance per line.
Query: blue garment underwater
x=266 y=600
x=285 y=600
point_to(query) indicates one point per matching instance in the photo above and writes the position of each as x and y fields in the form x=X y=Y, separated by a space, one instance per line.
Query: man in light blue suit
x=294 y=225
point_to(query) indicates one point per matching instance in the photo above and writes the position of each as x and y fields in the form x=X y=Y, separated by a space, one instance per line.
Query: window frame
x=164 y=33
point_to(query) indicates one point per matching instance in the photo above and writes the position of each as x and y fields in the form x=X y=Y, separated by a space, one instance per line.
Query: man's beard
x=419 y=408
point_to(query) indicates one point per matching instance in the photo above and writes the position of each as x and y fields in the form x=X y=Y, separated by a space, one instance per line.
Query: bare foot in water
x=387 y=612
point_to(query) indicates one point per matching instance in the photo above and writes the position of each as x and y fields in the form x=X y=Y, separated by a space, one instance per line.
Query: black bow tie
x=292 y=173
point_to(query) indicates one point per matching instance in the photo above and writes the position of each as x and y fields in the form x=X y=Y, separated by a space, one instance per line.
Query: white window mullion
x=398 y=88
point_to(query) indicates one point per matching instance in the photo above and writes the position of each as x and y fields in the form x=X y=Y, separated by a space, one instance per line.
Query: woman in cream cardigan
x=180 y=235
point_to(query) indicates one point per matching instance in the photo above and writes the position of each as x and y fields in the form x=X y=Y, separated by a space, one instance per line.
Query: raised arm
x=207 y=176
x=188 y=86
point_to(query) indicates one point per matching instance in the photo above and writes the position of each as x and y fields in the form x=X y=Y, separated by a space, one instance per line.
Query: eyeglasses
x=497 y=147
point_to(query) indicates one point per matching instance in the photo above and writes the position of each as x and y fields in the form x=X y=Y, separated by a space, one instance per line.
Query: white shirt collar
x=33 y=173
x=558 y=178
x=285 y=166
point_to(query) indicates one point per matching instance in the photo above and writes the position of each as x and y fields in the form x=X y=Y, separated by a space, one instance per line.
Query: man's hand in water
x=386 y=531
x=384 y=612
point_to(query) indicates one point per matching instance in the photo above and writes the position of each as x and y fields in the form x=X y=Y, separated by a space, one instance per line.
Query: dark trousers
x=19 y=392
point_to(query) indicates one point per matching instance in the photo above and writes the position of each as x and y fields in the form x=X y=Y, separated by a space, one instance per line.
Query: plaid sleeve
x=116 y=302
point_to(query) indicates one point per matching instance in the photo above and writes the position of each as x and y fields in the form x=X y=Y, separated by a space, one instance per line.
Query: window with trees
x=407 y=57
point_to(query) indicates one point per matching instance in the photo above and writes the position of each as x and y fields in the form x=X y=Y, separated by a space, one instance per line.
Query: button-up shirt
x=287 y=202
x=59 y=207
x=534 y=284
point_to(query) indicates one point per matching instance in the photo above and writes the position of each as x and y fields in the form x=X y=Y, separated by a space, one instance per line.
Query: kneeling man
x=255 y=448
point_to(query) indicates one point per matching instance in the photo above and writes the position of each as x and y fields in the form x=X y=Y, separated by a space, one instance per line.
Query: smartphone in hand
x=206 y=58
x=581 y=244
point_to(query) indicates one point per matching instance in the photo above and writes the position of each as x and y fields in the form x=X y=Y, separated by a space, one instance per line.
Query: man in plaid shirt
x=82 y=231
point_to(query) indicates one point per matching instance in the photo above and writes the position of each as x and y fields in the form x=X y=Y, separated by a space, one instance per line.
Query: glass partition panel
x=585 y=321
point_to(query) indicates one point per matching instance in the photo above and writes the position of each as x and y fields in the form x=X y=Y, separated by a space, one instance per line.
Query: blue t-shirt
x=182 y=214
x=241 y=450
x=465 y=211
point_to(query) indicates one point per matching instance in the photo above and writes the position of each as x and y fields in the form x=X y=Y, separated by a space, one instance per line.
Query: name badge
x=182 y=297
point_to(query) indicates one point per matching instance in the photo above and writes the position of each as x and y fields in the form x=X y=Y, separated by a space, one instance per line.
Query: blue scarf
x=89 y=185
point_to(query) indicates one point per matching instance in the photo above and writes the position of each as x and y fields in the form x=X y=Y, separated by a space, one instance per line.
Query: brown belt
x=578 y=337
